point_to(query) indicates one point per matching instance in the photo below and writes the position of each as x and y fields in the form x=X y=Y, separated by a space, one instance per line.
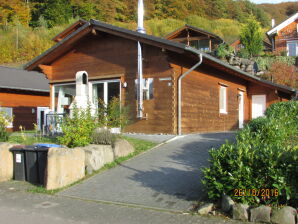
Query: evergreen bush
x=261 y=158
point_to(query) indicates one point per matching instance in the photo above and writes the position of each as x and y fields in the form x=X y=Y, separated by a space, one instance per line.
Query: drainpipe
x=180 y=89
x=140 y=59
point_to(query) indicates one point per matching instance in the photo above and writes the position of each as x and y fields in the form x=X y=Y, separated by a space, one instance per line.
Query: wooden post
x=210 y=45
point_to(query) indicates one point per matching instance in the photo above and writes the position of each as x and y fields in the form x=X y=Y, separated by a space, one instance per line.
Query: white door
x=41 y=117
x=241 y=109
x=258 y=105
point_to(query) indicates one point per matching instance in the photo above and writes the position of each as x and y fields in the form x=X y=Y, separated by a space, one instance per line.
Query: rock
x=245 y=61
x=96 y=156
x=226 y=203
x=122 y=148
x=205 y=209
x=6 y=162
x=285 y=215
x=249 y=68
x=65 y=166
x=239 y=212
x=260 y=214
x=238 y=67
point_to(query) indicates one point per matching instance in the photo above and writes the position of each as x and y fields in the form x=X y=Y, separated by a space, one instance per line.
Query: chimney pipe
x=140 y=59
x=273 y=23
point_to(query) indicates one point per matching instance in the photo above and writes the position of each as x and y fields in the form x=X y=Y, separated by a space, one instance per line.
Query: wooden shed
x=214 y=96
x=195 y=37
x=25 y=96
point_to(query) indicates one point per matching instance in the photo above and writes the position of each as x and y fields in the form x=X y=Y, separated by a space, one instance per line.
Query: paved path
x=167 y=177
x=20 y=207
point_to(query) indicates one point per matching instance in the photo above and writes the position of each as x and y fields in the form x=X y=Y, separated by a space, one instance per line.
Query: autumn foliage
x=283 y=74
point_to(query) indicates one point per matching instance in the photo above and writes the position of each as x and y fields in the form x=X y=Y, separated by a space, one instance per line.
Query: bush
x=78 y=128
x=4 y=121
x=261 y=158
x=112 y=115
x=223 y=50
x=103 y=137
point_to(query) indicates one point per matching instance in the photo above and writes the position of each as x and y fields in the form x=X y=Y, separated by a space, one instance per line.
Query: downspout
x=180 y=89
x=140 y=59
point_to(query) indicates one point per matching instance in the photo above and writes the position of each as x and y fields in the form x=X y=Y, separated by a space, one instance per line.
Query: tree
x=251 y=36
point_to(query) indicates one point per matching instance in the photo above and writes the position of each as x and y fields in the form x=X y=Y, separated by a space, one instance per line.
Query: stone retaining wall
x=65 y=166
x=6 y=162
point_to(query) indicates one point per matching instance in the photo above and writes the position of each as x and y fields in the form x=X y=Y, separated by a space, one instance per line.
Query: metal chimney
x=273 y=23
x=141 y=17
x=140 y=59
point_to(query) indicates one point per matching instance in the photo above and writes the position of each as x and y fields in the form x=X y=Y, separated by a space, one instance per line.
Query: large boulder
x=65 y=166
x=260 y=214
x=6 y=162
x=239 y=212
x=286 y=215
x=96 y=156
x=226 y=203
x=122 y=148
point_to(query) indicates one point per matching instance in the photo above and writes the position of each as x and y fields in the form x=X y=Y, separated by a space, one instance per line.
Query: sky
x=272 y=1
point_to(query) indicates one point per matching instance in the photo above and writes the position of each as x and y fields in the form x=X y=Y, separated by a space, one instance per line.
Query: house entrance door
x=41 y=117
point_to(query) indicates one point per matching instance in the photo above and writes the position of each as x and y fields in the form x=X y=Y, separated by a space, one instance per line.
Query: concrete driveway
x=167 y=177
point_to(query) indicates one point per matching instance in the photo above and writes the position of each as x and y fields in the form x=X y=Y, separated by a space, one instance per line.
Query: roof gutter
x=180 y=88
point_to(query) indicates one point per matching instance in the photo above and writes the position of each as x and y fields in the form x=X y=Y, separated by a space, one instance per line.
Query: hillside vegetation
x=281 y=11
x=26 y=27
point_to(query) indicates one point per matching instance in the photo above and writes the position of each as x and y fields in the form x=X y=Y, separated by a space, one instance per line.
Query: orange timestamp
x=263 y=192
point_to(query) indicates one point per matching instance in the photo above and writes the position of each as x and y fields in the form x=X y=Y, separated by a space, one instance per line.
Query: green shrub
x=78 y=128
x=261 y=158
x=112 y=115
x=223 y=50
x=4 y=121
x=103 y=137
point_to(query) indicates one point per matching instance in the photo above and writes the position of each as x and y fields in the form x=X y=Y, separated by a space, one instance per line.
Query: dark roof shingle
x=12 y=78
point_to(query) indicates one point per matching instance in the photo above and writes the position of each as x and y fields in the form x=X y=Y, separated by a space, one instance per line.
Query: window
x=292 y=47
x=202 y=45
x=147 y=89
x=8 y=112
x=64 y=95
x=223 y=99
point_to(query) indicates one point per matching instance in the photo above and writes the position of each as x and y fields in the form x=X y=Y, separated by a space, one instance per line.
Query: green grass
x=140 y=147
x=29 y=140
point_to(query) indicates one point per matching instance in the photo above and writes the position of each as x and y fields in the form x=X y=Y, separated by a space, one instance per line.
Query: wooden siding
x=200 y=100
x=288 y=33
x=105 y=55
x=22 y=103
x=25 y=117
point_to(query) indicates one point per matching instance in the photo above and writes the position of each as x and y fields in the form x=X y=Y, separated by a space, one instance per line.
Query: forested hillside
x=26 y=27
x=280 y=11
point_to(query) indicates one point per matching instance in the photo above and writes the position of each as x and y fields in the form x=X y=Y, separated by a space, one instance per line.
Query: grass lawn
x=139 y=145
x=29 y=140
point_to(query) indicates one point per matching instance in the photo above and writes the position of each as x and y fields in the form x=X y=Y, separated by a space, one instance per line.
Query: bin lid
x=48 y=145
x=17 y=148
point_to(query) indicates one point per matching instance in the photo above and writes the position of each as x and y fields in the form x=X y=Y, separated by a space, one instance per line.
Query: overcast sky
x=272 y=1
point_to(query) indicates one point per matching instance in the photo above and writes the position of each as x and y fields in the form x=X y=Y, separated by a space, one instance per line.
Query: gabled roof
x=192 y=28
x=150 y=40
x=73 y=27
x=283 y=24
x=12 y=78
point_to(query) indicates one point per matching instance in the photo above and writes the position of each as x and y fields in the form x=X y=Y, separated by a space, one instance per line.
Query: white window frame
x=292 y=42
x=224 y=109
